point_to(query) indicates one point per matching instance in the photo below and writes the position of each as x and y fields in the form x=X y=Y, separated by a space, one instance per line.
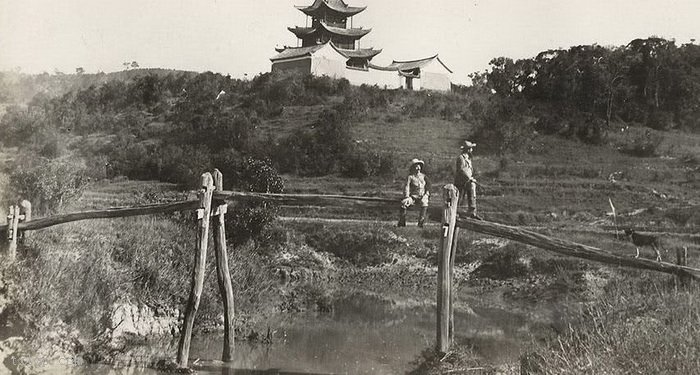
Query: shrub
x=502 y=128
x=48 y=184
x=250 y=219
x=503 y=264
x=319 y=151
x=643 y=145
x=660 y=120
x=363 y=162
x=24 y=127
x=361 y=248
x=590 y=131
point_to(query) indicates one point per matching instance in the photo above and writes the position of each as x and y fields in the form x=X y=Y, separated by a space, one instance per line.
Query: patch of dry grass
x=643 y=324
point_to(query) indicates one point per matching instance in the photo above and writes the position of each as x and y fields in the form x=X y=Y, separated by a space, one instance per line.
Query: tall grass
x=643 y=324
x=77 y=272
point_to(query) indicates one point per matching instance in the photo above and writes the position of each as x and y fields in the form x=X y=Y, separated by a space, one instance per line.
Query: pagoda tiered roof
x=294 y=52
x=302 y=32
x=337 y=6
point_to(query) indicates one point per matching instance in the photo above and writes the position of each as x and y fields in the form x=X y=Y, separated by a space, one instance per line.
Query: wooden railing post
x=682 y=260
x=26 y=208
x=203 y=215
x=453 y=254
x=222 y=271
x=13 y=220
x=444 y=295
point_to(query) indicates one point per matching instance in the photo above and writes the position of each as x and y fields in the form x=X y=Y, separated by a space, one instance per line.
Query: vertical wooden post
x=27 y=216
x=222 y=271
x=444 y=294
x=453 y=254
x=203 y=214
x=682 y=260
x=13 y=221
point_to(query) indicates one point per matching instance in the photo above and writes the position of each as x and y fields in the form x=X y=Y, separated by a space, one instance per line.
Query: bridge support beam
x=222 y=271
x=445 y=329
x=203 y=214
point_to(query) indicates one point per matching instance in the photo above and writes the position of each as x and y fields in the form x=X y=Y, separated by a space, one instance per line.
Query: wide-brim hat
x=416 y=161
x=467 y=144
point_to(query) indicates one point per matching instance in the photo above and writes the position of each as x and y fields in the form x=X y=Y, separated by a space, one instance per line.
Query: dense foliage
x=648 y=81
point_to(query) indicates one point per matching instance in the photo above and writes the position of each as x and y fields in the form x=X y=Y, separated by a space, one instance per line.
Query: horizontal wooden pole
x=308 y=199
x=104 y=214
x=571 y=248
x=291 y=199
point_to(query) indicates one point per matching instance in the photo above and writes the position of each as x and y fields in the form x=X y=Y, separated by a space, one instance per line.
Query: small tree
x=48 y=184
x=249 y=220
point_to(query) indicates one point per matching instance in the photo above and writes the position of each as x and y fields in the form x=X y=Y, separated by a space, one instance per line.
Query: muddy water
x=362 y=335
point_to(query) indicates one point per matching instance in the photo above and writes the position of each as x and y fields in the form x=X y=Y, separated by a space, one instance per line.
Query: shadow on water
x=224 y=370
x=363 y=334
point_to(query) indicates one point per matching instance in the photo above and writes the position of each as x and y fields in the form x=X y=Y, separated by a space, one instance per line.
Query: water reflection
x=364 y=334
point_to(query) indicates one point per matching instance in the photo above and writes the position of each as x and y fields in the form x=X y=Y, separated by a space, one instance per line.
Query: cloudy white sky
x=238 y=37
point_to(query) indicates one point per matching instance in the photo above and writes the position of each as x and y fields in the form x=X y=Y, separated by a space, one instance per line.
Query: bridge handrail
x=573 y=249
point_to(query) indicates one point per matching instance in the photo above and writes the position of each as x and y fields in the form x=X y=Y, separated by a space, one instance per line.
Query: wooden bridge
x=211 y=207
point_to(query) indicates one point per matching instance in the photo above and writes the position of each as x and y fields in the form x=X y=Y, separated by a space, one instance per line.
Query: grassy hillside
x=108 y=143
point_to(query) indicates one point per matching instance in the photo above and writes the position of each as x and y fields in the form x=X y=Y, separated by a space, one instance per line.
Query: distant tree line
x=649 y=81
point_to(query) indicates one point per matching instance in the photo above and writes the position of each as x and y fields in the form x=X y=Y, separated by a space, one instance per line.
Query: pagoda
x=330 y=46
x=331 y=23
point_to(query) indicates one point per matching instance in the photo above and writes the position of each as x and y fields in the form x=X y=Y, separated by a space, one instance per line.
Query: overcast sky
x=238 y=37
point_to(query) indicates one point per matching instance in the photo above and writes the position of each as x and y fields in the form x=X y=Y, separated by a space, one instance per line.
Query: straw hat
x=467 y=144
x=416 y=161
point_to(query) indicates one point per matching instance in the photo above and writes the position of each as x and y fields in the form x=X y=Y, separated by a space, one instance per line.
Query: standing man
x=416 y=191
x=464 y=178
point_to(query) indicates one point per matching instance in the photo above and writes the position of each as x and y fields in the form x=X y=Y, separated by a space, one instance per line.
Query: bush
x=660 y=120
x=361 y=248
x=363 y=162
x=503 y=264
x=25 y=127
x=320 y=151
x=502 y=128
x=643 y=145
x=48 y=183
x=250 y=219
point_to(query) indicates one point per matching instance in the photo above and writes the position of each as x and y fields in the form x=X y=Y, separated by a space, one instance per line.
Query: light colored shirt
x=464 y=171
x=416 y=185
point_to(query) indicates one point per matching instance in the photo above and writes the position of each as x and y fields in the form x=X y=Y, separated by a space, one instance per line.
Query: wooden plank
x=308 y=199
x=222 y=272
x=105 y=214
x=183 y=350
x=573 y=249
x=444 y=292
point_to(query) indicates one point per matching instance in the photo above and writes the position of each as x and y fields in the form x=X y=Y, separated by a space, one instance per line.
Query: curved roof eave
x=413 y=64
x=338 y=6
x=295 y=52
x=365 y=53
x=346 y=32
x=302 y=31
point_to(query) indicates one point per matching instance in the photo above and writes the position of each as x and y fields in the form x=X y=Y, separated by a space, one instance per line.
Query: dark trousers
x=468 y=191
x=421 y=217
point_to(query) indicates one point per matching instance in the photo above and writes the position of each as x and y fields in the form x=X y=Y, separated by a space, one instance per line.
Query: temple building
x=330 y=46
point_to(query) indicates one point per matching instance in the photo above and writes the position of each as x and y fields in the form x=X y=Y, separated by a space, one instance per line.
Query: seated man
x=416 y=191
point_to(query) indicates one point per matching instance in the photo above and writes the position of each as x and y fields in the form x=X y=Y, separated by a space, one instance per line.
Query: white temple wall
x=436 y=81
x=302 y=65
x=436 y=77
x=326 y=66
x=381 y=78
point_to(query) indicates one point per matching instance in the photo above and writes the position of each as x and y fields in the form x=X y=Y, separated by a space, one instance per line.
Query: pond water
x=364 y=334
